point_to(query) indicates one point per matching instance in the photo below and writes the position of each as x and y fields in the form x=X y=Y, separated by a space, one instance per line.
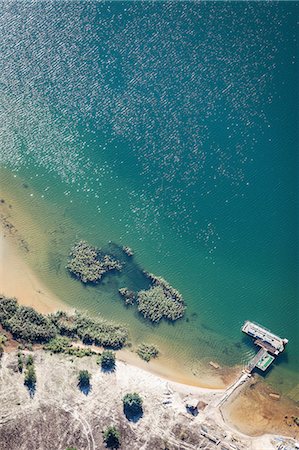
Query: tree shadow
x=133 y=415
x=31 y=387
x=85 y=388
x=110 y=369
x=191 y=410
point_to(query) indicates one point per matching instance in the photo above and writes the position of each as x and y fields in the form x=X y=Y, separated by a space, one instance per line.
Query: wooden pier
x=271 y=346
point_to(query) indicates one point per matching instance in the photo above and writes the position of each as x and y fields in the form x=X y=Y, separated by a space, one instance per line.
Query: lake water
x=171 y=128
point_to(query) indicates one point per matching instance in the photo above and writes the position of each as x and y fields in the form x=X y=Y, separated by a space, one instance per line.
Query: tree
x=30 y=377
x=111 y=437
x=132 y=405
x=108 y=360
x=84 y=379
x=29 y=360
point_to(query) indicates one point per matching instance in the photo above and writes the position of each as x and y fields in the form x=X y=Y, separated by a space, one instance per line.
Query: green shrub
x=108 y=360
x=147 y=352
x=29 y=325
x=20 y=362
x=29 y=360
x=3 y=339
x=8 y=307
x=58 y=344
x=111 y=437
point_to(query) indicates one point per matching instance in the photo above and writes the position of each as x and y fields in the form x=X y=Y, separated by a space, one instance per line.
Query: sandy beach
x=18 y=280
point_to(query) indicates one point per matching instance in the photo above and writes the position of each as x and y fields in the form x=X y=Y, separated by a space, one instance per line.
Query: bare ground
x=59 y=415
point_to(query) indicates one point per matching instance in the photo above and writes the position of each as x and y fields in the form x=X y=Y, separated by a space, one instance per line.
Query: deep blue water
x=173 y=128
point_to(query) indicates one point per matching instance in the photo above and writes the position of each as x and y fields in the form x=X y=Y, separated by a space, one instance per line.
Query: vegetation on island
x=89 y=264
x=128 y=296
x=111 y=437
x=108 y=360
x=147 y=352
x=127 y=250
x=160 y=301
x=154 y=304
x=29 y=326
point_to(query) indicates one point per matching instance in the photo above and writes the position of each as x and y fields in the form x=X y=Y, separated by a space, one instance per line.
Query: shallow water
x=171 y=128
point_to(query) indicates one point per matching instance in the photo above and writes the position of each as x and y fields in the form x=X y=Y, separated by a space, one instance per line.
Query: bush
x=1 y=351
x=8 y=307
x=108 y=360
x=27 y=324
x=147 y=352
x=84 y=378
x=111 y=437
x=91 y=330
x=3 y=339
x=58 y=345
x=29 y=360
x=132 y=404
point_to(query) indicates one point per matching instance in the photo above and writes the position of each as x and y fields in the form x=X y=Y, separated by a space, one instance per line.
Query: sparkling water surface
x=171 y=128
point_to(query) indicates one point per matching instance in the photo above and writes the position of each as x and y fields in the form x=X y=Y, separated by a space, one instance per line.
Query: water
x=171 y=128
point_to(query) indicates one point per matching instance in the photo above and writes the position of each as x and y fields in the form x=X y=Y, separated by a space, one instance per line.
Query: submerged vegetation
x=28 y=325
x=147 y=352
x=89 y=264
x=160 y=301
x=154 y=304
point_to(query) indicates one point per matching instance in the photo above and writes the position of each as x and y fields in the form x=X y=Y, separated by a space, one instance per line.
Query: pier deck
x=271 y=345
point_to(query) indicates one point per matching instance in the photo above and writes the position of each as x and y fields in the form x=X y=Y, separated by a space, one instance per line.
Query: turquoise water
x=171 y=128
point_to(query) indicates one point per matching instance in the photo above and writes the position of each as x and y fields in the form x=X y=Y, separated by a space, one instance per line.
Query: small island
x=160 y=301
x=89 y=264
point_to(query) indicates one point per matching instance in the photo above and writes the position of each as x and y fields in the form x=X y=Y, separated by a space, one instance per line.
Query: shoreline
x=30 y=291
